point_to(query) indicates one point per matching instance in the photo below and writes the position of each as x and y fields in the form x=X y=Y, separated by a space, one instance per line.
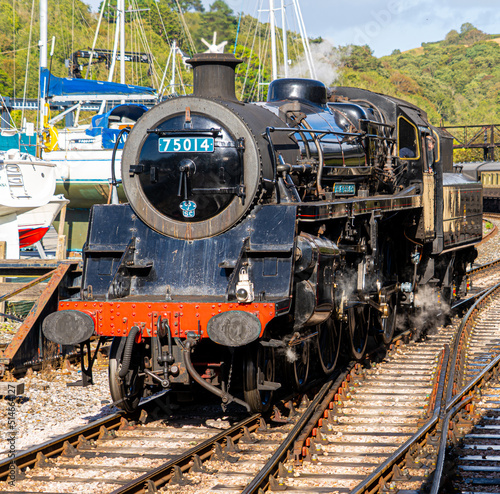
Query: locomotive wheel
x=127 y=392
x=358 y=330
x=328 y=344
x=298 y=370
x=384 y=327
x=259 y=366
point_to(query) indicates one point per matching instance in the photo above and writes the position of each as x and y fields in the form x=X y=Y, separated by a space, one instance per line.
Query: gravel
x=50 y=408
x=488 y=250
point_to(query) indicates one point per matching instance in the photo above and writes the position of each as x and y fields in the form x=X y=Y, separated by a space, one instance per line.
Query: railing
x=486 y=137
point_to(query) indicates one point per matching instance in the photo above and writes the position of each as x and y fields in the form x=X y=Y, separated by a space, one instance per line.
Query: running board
x=268 y=386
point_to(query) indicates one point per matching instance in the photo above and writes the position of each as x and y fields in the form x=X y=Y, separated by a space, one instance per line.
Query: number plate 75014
x=186 y=145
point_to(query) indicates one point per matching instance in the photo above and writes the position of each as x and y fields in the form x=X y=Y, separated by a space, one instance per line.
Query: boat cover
x=121 y=115
x=60 y=86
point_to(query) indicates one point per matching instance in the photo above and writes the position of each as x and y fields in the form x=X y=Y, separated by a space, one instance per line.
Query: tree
x=361 y=58
x=317 y=40
x=193 y=5
x=5 y=82
x=404 y=83
x=466 y=26
x=249 y=75
x=452 y=38
x=220 y=19
x=165 y=23
x=473 y=36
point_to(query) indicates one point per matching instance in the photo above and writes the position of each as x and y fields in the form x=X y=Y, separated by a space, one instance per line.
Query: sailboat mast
x=305 y=41
x=285 y=39
x=172 y=80
x=43 y=60
x=121 y=9
x=43 y=34
x=272 y=21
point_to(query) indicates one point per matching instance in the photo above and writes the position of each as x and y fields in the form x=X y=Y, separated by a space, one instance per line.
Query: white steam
x=290 y=355
x=430 y=313
x=327 y=61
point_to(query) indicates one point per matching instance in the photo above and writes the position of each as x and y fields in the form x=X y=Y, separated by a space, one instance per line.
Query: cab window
x=407 y=140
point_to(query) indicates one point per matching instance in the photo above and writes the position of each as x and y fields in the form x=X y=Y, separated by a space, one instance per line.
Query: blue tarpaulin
x=60 y=86
x=121 y=115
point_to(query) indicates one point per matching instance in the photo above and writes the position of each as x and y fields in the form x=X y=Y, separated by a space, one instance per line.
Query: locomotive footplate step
x=268 y=386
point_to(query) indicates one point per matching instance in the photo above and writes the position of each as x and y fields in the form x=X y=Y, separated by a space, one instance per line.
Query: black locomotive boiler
x=298 y=224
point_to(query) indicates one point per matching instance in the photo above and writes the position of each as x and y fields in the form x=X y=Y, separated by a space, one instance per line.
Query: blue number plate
x=186 y=145
x=345 y=189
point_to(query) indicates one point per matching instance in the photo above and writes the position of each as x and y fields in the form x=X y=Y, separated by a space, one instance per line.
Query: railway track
x=467 y=401
x=476 y=435
x=121 y=453
x=376 y=426
x=247 y=455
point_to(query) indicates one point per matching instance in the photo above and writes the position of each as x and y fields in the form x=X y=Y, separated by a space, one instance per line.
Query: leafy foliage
x=457 y=80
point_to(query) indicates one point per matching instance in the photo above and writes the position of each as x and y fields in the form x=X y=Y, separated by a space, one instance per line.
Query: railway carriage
x=301 y=225
x=488 y=173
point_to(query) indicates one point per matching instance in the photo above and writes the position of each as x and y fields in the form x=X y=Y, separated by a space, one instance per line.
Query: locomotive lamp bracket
x=170 y=132
x=234 y=277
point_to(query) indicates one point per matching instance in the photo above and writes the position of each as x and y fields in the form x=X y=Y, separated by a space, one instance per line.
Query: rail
x=387 y=470
x=56 y=446
x=301 y=429
x=162 y=474
x=459 y=394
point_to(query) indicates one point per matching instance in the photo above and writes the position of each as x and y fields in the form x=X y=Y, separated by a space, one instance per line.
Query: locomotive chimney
x=213 y=75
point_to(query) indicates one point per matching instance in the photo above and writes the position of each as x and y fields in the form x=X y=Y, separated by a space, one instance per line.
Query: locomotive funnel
x=213 y=75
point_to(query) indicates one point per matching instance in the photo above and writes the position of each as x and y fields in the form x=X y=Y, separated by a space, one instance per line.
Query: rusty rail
x=459 y=394
x=399 y=458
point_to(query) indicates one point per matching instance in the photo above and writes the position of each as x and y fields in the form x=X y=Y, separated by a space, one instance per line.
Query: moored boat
x=26 y=183
x=34 y=224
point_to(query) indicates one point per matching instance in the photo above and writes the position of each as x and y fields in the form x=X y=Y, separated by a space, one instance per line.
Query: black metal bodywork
x=131 y=260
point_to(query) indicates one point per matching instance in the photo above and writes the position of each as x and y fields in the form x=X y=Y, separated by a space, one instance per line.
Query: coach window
x=408 y=147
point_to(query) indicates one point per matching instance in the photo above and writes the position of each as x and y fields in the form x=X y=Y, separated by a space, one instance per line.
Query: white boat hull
x=83 y=175
x=26 y=183
x=43 y=216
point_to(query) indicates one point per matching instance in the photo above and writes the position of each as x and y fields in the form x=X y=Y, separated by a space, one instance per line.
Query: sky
x=384 y=25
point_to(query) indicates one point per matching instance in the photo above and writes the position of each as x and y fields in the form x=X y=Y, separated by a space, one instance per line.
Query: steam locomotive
x=300 y=225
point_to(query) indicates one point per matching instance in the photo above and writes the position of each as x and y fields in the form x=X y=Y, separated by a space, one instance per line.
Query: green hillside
x=457 y=80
